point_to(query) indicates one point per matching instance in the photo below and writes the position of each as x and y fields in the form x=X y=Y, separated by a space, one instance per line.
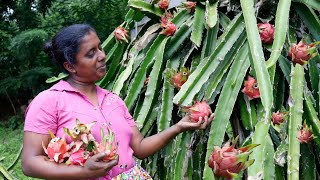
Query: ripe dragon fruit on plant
x=199 y=109
x=266 y=32
x=228 y=161
x=121 y=34
x=301 y=53
x=278 y=117
x=177 y=79
x=305 y=134
x=163 y=4
x=165 y=18
x=190 y=5
x=57 y=149
x=251 y=88
x=78 y=157
x=107 y=144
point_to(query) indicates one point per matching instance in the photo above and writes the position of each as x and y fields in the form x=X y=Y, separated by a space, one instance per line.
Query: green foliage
x=221 y=52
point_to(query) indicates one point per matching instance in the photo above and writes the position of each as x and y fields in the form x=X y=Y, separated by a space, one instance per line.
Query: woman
x=77 y=50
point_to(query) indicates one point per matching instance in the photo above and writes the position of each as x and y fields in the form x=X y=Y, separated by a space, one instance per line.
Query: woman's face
x=90 y=61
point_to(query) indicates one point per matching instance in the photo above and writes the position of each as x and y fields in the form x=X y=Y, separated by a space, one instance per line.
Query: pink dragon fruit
x=199 y=109
x=163 y=4
x=107 y=145
x=78 y=157
x=190 y=5
x=57 y=149
x=251 y=88
x=81 y=135
x=305 y=134
x=228 y=161
x=301 y=53
x=169 y=29
x=266 y=32
x=177 y=79
x=165 y=18
x=278 y=117
x=121 y=34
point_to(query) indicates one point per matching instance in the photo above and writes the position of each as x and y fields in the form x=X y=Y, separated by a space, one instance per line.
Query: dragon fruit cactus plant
x=266 y=32
x=57 y=149
x=302 y=52
x=199 y=109
x=221 y=42
x=251 y=88
x=305 y=134
x=228 y=161
x=107 y=145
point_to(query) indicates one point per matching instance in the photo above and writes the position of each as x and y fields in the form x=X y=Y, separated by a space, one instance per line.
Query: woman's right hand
x=95 y=167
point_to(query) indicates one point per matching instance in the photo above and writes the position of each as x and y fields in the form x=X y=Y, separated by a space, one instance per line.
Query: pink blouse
x=59 y=106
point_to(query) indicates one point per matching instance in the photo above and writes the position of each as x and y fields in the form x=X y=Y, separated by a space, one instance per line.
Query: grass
x=10 y=143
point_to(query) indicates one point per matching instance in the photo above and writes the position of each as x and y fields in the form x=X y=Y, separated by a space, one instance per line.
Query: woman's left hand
x=187 y=124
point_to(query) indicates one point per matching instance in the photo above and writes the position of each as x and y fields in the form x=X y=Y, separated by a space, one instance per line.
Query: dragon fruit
x=190 y=5
x=278 y=117
x=78 y=157
x=228 y=161
x=305 y=134
x=163 y=4
x=169 y=29
x=251 y=88
x=57 y=149
x=199 y=109
x=107 y=145
x=266 y=32
x=81 y=135
x=121 y=34
x=177 y=79
x=165 y=18
x=301 y=53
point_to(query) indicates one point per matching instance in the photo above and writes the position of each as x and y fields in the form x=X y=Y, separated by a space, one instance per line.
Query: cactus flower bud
x=251 y=88
x=121 y=34
x=266 y=32
x=228 y=161
x=305 y=134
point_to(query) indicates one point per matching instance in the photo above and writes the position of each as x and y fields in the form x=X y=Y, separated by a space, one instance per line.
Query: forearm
x=150 y=145
x=40 y=168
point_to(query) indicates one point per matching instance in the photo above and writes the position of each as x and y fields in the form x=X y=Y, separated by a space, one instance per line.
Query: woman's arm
x=35 y=163
x=144 y=147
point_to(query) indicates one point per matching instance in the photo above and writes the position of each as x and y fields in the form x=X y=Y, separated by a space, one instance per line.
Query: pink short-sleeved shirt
x=59 y=106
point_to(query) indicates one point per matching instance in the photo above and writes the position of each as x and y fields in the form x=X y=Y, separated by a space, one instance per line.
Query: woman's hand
x=95 y=167
x=187 y=124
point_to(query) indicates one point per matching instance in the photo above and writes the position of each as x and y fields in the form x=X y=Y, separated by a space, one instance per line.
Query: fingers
x=108 y=165
x=100 y=156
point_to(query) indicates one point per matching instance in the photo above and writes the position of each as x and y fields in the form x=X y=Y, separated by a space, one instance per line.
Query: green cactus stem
x=295 y=120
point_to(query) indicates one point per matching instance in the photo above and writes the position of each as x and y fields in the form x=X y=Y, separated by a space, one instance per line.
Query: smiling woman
x=77 y=50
